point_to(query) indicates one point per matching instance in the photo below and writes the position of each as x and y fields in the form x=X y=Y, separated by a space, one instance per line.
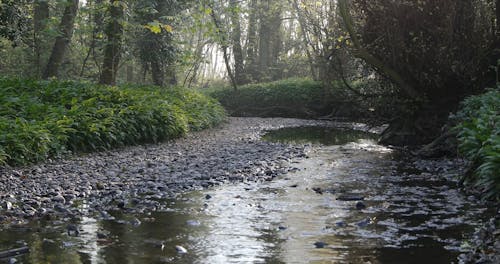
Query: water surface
x=412 y=214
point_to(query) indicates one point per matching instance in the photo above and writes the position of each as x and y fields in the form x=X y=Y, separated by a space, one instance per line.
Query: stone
x=360 y=205
x=350 y=197
x=320 y=244
x=7 y=205
x=181 y=249
x=59 y=199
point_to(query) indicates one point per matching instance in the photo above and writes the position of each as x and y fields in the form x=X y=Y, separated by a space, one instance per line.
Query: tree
x=432 y=50
x=236 y=42
x=112 y=50
x=155 y=38
x=221 y=36
x=40 y=17
x=62 y=40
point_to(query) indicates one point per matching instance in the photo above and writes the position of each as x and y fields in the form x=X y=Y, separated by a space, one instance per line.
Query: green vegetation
x=39 y=120
x=479 y=141
x=303 y=98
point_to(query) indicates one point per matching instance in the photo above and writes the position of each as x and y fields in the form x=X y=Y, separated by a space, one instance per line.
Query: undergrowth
x=298 y=98
x=479 y=141
x=285 y=98
x=46 y=119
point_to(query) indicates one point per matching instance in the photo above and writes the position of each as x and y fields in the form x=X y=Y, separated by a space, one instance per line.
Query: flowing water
x=349 y=201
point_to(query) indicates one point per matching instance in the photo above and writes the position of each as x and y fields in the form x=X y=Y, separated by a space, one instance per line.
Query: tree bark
x=40 y=17
x=269 y=39
x=112 y=50
x=97 y=19
x=224 y=47
x=497 y=13
x=62 y=41
x=264 y=40
x=157 y=71
x=236 y=41
x=305 y=40
x=252 y=42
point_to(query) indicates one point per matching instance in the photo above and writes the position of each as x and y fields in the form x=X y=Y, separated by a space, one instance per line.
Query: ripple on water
x=410 y=216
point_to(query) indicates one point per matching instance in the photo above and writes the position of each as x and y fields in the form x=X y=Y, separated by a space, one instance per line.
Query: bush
x=47 y=119
x=299 y=98
x=479 y=141
x=286 y=98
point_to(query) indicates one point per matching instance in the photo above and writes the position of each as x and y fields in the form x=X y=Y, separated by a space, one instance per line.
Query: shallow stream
x=349 y=201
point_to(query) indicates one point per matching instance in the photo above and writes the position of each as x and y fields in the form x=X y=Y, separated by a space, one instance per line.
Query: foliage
x=39 y=120
x=283 y=96
x=290 y=98
x=479 y=141
x=13 y=19
x=436 y=52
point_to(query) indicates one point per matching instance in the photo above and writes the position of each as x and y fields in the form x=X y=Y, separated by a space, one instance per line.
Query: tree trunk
x=97 y=18
x=264 y=40
x=303 y=30
x=62 y=41
x=171 y=75
x=497 y=13
x=236 y=41
x=373 y=61
x=224 y=49
x=252 y=42
x=130 y=74
x=40 y=17
x=112 y=50
x=276 y=39
x=157 y=71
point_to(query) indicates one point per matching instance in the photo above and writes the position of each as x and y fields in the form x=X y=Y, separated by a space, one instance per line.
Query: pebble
x=350 y=197
x=135 y=222
x=341 y=224
x=101 y=235
x=360 y=205
x=181 y=249
x=193 y=223
x=202 y=159
x=320 y=244
x=6 y=205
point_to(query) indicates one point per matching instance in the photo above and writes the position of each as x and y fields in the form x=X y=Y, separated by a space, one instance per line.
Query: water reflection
x=409 y=218
x=317 y=135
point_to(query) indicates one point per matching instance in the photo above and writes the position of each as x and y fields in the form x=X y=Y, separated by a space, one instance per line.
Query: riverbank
x=137 y=177
x=359 y=201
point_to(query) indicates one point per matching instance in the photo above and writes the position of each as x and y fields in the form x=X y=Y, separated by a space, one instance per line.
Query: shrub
x=299 y=98
x=479 y=141
x=47 y=119
x=285 y=98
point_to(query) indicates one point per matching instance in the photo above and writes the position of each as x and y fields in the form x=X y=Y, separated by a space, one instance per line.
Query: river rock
x=360 y=205
x=320 y=244
x=181 y=249
x=7 y=205
x=350 y=197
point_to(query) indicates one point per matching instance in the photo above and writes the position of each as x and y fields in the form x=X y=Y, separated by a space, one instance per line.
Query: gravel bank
x=137 y=178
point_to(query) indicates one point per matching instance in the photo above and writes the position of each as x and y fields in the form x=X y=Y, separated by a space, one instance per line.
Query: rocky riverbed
x=358 y=201
x=135 y=178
